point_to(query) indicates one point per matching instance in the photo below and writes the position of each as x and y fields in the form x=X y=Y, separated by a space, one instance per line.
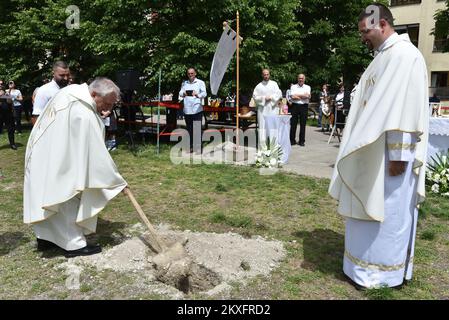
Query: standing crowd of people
x=12 y=100
x=332 y=108
x=12 y=104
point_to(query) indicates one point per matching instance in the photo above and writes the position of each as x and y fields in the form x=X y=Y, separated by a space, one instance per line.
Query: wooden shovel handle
x=160 y=245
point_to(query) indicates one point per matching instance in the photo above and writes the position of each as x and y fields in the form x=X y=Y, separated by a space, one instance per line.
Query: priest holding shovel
x=70 y=177
x=69 y=174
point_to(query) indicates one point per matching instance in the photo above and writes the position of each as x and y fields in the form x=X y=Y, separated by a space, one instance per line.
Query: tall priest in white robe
x=266 y=96
x=379 y=175
x=69 y=174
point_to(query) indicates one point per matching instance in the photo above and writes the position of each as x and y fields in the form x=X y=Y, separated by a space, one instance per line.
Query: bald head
x=191 y=74
x=266 y=74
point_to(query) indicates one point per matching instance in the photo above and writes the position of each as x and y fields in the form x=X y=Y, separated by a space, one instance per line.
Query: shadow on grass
x=323 y=251
x=9 y=241
x=108 y=233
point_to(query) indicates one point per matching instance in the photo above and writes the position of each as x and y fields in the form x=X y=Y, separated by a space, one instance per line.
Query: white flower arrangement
x=269 y=156
x=437 y=176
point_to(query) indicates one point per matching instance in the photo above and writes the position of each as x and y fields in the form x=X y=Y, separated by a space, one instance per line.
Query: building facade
x=417 y=18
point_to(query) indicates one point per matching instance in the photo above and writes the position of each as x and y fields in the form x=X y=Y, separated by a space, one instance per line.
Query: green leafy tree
x=332 y=46
x=441 y=30
x=119 y=34
x=112 y=35
x=317 y=37
x=187 y=34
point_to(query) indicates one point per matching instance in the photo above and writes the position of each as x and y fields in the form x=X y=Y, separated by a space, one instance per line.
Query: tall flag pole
x=238 y=79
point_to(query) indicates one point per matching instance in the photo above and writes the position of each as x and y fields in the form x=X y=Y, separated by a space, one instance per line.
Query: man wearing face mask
x=69 y=174
x=379 y=175
x=61 y=74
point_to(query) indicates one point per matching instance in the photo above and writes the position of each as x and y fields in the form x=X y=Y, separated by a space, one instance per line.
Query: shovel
x=171 y=262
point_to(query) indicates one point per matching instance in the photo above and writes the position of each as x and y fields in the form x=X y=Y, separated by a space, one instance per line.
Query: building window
x=441 y=41
x=439 y=83
x=411 y=29
x=394 y=3
x=439 y=79
x=440 y=45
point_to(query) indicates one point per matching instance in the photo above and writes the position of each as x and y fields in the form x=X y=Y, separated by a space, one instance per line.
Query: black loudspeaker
x=127 y=80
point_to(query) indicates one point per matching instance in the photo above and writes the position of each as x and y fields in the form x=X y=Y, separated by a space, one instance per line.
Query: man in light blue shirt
x=192 y=92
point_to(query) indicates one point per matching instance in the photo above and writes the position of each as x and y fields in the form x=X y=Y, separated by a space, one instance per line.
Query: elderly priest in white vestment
x=380 y=170
x=69 y=174
x=266 y=95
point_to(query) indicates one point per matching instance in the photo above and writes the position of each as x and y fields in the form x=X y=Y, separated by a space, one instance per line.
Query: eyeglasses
x=365 y=31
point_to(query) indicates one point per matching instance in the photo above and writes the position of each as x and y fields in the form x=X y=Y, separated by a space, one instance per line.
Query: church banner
x=223 y=55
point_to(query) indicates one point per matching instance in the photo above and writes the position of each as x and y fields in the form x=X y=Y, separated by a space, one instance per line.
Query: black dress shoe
x=357 y=286
x=293 y=143
x=13 y=146
x=86 y=251
x=302 y=144
x=43 y=245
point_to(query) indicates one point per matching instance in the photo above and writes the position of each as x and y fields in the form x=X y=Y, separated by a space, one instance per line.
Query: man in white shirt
x=192 y=92
x=61 y=74
x=266 y=95
x=299 y=99
x=379 y=175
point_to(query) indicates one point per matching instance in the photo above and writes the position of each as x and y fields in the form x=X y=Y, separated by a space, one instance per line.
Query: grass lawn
x=214 y=198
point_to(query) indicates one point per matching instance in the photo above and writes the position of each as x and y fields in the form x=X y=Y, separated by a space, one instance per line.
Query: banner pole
x=159 y=110
x=238 y=79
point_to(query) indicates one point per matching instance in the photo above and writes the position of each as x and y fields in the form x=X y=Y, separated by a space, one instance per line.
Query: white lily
x=435 y=188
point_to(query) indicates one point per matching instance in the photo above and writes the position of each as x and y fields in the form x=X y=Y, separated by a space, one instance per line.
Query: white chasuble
x=392 y=95
x=66 y=158
x=388 y=121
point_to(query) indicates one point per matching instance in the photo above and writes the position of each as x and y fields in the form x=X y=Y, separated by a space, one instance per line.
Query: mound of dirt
x=218 y=259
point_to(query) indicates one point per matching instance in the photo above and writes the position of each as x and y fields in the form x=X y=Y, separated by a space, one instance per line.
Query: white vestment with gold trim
x=381 y=253
x=69 y=174
x=388 y=120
